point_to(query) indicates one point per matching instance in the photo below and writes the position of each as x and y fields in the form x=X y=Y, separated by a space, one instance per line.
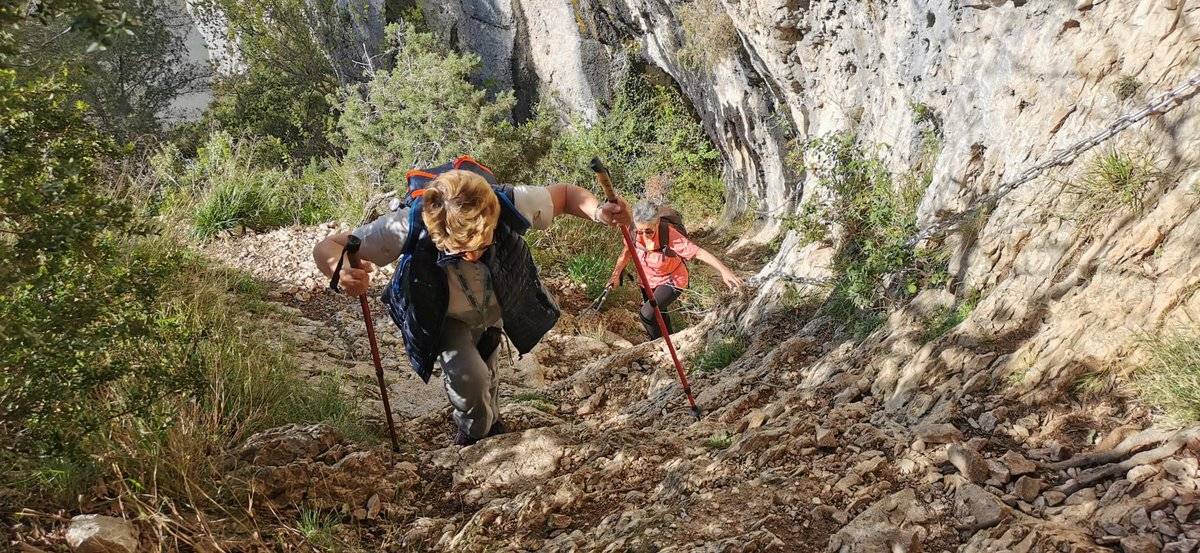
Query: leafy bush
x=719 y=440
x=719 y=353
x=1113 y=181
x=709 y=34
x=73 y=317
x=1170 y=379
x=648 y=133
x=287 y=91
x=422 y=113
x=873 y=216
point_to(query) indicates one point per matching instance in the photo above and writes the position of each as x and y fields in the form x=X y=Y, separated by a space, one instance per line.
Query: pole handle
x=353 y=243
x=603 y=179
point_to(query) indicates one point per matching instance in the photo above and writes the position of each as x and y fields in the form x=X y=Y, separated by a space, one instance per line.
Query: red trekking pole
x=351 y=252
x=605 y=181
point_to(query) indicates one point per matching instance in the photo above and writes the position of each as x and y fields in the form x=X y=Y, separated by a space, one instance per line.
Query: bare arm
x=354 y=282
x=731 y=280
x=573 y=200
x=615 y=280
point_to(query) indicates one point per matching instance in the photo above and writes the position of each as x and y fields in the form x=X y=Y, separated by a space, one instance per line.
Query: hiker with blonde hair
x=664 y=249
x=465 y=276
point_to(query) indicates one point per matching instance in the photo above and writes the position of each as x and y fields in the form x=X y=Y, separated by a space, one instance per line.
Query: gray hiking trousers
x=472 y=382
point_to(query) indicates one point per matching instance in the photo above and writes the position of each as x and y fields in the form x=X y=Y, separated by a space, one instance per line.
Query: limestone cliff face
x=1009 y=83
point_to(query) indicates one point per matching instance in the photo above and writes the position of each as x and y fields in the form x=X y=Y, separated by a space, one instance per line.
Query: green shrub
x=422 y=113
x=74 y=316
x=873 y=215
x=719 y=353
x=537 y=401
x=288 y=89
x=1114 y=181
x=709 y=34
x=648 y=133
x=1170 y=379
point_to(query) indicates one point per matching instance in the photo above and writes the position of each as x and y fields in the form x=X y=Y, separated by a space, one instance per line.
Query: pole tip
x=696 y=412
x=597 y=165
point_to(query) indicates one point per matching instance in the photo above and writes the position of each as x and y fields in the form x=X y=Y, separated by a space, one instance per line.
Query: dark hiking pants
x=664 y=294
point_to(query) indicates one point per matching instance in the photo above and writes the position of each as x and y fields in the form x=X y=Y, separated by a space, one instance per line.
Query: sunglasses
x=448 y=258
x=645 y=232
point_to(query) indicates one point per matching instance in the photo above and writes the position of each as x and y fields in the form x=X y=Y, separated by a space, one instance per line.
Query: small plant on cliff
x=871 y=214
x=708 y=34
x=1114 y=181
x=1170 y=379
x=949 y=317
x=720 y=353
x=719 y=440
x=1126 y=86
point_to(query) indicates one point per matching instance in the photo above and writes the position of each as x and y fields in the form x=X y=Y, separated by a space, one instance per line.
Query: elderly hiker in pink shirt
x=665 y=261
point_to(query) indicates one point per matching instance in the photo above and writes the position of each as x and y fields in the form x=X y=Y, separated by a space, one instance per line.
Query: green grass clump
x=1126 y=86
x=317 y=528
x=1170 y=379
x=719 y=440
x=245 y=184
x=591 y=270
x=537 y=401
x=1115 y=181
x=941 y=321
x=718 y=354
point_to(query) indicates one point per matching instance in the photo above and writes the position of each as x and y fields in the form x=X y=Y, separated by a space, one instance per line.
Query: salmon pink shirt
x=663 y=269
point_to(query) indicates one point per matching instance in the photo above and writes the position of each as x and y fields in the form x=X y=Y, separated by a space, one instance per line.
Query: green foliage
x=873 y=215
x=97 y=20
x=709 y=34
x=941 y=321
x=74 y=316
x=1126 y=86
x=131 y=82
x=537 y=401
x=648 y=133
x=243 y=183
x=1114 y=181
x=422 y=113
x=719 y=440
x=1170 y=378
x=287 y=91
x=317 y=528
x=719 y=353
x=591 y=270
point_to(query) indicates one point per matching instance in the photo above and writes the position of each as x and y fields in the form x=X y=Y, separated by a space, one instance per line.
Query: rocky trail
x=797 y=451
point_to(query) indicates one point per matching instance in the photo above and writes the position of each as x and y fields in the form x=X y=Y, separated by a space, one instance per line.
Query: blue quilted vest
x=418 y=295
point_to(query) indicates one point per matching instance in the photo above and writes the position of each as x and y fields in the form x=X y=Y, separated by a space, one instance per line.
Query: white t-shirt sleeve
x=535 y=203
x=383 y=238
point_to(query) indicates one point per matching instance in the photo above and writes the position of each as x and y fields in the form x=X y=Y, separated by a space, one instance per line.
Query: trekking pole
x=351 y=252
x=605 y=181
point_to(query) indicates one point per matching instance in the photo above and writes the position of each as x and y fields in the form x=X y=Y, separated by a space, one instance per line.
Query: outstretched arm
x=615 y=280
x=731 y=280
x=574 y=200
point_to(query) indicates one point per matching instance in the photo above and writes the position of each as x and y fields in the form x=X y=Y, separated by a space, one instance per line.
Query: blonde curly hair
x=460 y=211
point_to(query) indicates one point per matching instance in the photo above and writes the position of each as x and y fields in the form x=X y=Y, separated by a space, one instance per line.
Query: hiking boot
x=462 y=438
x=497 y=428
